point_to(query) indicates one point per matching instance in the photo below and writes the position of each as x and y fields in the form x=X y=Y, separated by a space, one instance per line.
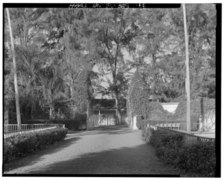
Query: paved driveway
x=116 y=150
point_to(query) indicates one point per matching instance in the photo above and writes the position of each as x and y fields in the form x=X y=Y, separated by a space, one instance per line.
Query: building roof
x=103 y=103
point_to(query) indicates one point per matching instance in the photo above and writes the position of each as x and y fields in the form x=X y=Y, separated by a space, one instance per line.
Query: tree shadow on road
x=71 y=138
x=126 y=159
x=137 y=160
x=37 y=156
x=111 y=127
x=107 y=130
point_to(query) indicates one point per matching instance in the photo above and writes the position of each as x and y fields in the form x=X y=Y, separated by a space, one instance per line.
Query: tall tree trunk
x=88 y=86
x=154 y=77
x=6 y=115
x=32 y=106
x=202 y=111
x=87 y=114
x=118 y=114
x=15 y=75
x=51 y=112
x=114 y=73
x=31 y=111
x=187 y=72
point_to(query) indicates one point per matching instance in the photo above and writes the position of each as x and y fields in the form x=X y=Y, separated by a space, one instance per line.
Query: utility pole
x=187 y=83
x=14 y=72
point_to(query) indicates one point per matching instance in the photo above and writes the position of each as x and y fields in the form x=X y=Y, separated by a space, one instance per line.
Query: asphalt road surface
x=111 y=150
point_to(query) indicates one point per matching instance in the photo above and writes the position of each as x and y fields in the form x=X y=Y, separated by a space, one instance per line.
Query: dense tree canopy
x=66 y=56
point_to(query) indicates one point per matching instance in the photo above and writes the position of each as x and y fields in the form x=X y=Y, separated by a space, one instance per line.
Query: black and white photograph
x=111 y=90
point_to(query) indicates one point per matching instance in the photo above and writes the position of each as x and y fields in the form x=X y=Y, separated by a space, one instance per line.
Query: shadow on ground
x=123 y=129
x=135 y=160
x=71 y=138
x=33 y=158
x=112 y=127
x=108 y=132
x=125 y=154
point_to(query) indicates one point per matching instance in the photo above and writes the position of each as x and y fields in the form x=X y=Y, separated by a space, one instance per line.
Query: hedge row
x=21 y=145
x=155 y=112
x=197 y=159
x=71 y=124
x=79 y=123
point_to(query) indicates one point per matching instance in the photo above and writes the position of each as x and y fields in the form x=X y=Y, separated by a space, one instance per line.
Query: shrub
x=168 y=155
x=70 y=124
x=196 y=158
x=173 y=140
x=167 y=145
x=157 y=137
x=74 y=124
x=23 y=144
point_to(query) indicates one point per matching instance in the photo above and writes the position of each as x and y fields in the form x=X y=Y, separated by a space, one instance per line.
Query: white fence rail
x=180 y=125
x=12 y=129
x=188 y=138
x=195 y=134
x=169 y=125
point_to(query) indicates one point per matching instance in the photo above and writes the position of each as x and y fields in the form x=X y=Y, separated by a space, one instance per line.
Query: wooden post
x=187 y=72
x=14 y=71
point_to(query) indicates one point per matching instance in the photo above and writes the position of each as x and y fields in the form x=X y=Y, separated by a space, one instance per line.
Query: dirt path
x=102 y=151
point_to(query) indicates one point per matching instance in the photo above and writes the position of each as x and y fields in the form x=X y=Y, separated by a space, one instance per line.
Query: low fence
x=188 y=138
x=174 y=128
x=179 y=125
x=12 y=129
